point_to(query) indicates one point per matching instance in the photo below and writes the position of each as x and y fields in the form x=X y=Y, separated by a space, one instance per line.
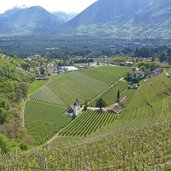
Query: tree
x=85 y=105
x=3 y=116
x=143 y=68
x=169 y=56
x=42 y=71
x=163 y=57
x=24 y=88
x=128 y=76
x=118 y=97
x=21 y=91
x=143 y=52
x=4 y=144
x=100 y=103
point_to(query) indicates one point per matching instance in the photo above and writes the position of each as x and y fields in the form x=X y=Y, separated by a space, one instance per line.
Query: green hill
x=137 y=139
x=84 y=85
x=53 y=98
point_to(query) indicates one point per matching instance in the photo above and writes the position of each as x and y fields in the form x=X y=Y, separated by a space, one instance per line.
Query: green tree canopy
x=100 y=103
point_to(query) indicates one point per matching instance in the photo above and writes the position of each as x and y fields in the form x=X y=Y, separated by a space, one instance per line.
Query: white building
x=70 y=68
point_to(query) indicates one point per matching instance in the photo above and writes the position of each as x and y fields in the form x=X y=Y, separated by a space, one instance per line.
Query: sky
x=50 y=5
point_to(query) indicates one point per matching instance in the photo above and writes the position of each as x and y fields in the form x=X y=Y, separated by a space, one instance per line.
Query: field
x=36 y=85
x=150 y=103
x=84 y=85
x=44 y=120
x=136 y=139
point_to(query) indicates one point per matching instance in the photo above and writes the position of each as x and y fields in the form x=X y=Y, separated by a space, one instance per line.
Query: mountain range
x=111 y=18
x=125 y=19
x=33 y=20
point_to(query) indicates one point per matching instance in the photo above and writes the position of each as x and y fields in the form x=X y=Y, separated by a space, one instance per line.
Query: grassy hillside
x=137 y=139
x=61 y=91
x=84 y=85
x=146 y=105
x=36 y=85
x=13 y=89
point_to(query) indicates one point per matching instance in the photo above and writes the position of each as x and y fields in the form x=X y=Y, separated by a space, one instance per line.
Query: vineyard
x=36 y=85
x=44 y=120
x=146 y=148
x=50 y=99
x=137 y=139
x=88 y=122
x=84 y=85
x=109 y=96
x=150 y=103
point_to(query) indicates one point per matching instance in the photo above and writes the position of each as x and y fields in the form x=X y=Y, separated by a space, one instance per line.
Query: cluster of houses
x=140 y=74
x=48 y=69
x=51 y=69
x=34 y=58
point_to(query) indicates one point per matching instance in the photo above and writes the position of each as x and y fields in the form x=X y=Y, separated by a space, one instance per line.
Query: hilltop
x=26 y=21
x=98 y=140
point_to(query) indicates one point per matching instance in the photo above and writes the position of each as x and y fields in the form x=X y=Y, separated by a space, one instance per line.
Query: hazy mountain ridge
x=31 y=20
x=111 y=18
x=64 y=17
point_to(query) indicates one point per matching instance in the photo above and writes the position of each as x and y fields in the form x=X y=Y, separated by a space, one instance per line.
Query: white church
x=74 y=110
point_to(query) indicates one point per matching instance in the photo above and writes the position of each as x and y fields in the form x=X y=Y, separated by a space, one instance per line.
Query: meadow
x=36 y=85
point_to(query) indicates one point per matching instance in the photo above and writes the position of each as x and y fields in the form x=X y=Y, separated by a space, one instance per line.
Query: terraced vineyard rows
x=137 y=139
x=110 y=96
x=44 y=120
x=147 y=104
x=62 y=91
x=84 y=85
x=88 y=122
x=152 y=90
x=147 y=148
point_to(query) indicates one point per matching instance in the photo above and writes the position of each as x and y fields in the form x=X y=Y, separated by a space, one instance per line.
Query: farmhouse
x=156 y=72
x=138 y=74
x=114 y=108
x=123 y=100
